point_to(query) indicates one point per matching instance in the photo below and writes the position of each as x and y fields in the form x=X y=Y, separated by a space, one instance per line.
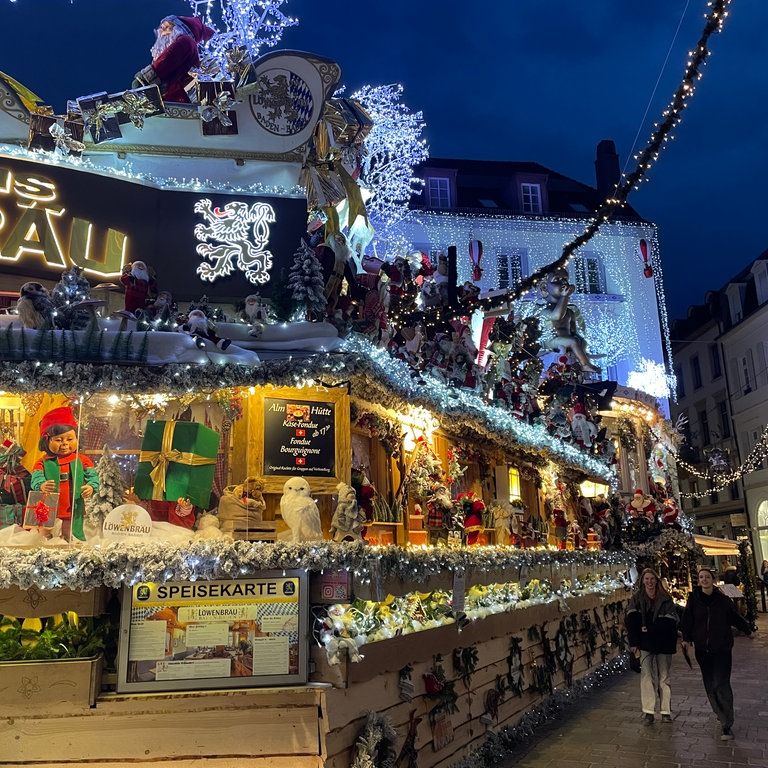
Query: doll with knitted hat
x=64 y=471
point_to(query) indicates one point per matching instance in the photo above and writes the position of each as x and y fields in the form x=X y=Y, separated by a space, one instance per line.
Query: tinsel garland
x=495 y=751
x=118 y=564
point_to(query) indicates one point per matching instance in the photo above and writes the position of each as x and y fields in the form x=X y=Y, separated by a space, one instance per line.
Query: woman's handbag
x=634 y=661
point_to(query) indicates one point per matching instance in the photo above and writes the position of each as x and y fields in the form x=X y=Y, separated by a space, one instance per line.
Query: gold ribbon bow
x=137 y=108
x=167 y=455
x=100 y=114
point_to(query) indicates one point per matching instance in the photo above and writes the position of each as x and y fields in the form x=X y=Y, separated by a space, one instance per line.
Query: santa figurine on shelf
x=201 y=328
x=641 y=506
x=140 y=286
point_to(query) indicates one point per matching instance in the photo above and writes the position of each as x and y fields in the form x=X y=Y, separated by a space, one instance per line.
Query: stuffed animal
x=201 y=328
x=35 y=307
x=208 y=528
x=300 y=511
x=583 y=430
x=641 y=506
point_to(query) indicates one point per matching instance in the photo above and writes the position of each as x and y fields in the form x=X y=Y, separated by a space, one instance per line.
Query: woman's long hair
x=661 y=592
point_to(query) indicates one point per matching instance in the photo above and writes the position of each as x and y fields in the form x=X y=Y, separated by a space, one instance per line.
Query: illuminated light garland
x=652 y=379
x=152 y=180
x=753 y=462
x=120 y=563
x=671 y=117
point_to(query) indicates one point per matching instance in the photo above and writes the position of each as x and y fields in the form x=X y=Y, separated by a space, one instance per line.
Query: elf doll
x=64 y=471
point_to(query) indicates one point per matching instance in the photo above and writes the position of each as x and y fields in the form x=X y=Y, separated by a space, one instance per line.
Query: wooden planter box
x=57 y=685
x=37 y=603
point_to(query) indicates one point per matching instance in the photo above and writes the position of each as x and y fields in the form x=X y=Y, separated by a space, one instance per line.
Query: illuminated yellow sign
x=34 y=224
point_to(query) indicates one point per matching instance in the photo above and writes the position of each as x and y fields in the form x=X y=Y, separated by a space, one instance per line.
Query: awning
x=715 y=546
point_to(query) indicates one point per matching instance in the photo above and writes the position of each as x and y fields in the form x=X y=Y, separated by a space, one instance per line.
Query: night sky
x=539 y=81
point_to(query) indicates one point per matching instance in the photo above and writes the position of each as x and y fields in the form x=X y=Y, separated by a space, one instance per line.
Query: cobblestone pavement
x=606 y=730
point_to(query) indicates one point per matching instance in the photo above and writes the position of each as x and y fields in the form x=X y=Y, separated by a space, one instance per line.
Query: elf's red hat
x=61 y=415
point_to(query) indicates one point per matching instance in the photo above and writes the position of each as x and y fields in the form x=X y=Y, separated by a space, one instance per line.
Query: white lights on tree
x=250 y=25
x=652 y=379
x=393 y=149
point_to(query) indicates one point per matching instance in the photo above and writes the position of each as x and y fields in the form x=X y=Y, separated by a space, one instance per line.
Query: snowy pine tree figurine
x=111 y=490
x=67 y=295
x=306 y=283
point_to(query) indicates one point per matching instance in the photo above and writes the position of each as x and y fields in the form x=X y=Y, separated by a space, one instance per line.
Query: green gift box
x=177 y=460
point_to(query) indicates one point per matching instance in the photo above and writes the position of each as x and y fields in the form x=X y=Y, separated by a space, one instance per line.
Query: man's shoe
x=666 y=718
x=727 y=734
x=649 y=719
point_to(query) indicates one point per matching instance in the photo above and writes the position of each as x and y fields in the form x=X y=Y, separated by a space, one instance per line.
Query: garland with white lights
x=753 y=462
x=119 y=564
x=662 y=133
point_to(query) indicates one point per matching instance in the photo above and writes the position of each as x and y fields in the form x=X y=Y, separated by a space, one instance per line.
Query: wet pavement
x=606 y=729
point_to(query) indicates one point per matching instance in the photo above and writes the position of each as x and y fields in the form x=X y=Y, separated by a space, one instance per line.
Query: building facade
x=720 y=358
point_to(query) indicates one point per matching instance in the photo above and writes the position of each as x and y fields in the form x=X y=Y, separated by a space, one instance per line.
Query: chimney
x=606 y=168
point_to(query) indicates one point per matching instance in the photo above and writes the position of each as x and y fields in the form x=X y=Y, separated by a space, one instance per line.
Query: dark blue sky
x=543 y=81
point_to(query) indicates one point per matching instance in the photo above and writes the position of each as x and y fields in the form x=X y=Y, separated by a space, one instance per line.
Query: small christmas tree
x=306 y=282
x=111 y=492
x=71 y=289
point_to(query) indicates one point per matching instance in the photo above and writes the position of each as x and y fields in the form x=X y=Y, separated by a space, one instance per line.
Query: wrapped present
x=137 y=104
x=217 y=101
x=55 y=133
x=99 y=113
x=41 y=510
x=177 y=460
x=14 y=477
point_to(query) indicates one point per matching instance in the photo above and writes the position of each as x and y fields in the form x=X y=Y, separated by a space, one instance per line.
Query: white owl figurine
x=300 y=512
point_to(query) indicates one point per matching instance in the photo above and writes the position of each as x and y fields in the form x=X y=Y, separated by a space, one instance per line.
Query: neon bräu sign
x=232 y=237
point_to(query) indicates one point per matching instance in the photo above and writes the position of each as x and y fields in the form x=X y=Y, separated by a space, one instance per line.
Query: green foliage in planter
x=64 y=636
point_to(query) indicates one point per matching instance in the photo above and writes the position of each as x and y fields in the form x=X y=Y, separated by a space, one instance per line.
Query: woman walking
x=651 y=621
x=707 y=621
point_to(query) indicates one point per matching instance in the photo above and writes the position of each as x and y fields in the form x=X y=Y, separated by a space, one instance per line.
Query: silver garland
x=117 y=564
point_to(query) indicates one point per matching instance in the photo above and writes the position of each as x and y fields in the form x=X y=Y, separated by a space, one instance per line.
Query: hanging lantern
x=647 y=268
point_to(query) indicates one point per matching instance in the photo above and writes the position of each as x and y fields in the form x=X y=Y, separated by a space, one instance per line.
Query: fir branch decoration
x=375 y=747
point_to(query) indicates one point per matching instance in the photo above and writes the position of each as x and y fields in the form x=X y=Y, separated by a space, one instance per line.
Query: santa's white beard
x=140 y=274
x=163 y=42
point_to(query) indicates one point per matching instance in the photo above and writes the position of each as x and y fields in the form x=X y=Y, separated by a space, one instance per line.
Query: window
x=745 y=373
x=713 y=497
x=695 y=501
x=439 y=191
x=704 y=424
x=696 y=371
x=514 y=484
x=512 y=268
x=589 y=274
x=680 y=381
x=714 y=354
x=531 y=198
x=734 y=492
x=725 y=420
x=762 y=528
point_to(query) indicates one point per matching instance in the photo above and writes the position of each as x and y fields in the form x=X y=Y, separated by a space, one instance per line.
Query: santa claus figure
x=140 y=286
x=174 y=54
x=201 y=328
x=583 y=429
x=670 y=513
x=641 y=506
